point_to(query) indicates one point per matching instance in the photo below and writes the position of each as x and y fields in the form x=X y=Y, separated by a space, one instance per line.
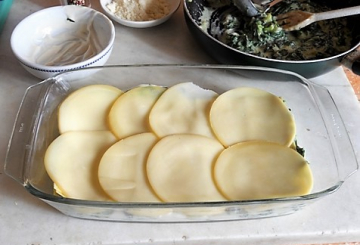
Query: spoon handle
x=332 y=14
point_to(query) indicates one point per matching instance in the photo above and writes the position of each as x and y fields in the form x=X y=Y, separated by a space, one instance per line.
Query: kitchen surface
x=25 y=219
x=354 y=80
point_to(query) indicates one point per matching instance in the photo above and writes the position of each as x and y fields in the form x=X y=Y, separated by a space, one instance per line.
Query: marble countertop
x=25 y=219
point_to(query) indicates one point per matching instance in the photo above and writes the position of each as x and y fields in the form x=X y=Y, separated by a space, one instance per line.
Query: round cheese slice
x=72 y=160
x=244 y=114
x=182 y=109
x=180 y=168
x=87 y=108
x=122 y=169
x=129 y=114
x=261 y=170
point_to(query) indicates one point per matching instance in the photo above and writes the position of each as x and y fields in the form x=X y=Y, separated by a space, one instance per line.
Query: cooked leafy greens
x=262 y=35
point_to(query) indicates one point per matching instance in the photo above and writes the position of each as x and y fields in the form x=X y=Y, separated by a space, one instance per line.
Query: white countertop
x=26 y=220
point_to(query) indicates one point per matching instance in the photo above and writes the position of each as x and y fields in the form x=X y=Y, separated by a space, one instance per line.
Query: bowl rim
x=84 y=63
x=140 y=24
x=75 y=66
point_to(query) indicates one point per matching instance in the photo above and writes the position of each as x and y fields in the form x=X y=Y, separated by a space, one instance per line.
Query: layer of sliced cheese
x=72 y=160
x=180 y=168
x=182 y=109
x=129 y=114
x=260 y=170
x=171 y=139
x=244 y=114
x=87 y=108
x=122 y=169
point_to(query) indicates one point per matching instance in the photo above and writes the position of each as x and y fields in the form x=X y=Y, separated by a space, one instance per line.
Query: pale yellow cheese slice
x=261 y=170
x=182 y=108
x=58 y=191
x=122 y=169
x=129 y=114
x=244 y=114
x=180 y=168
x=72 y=160
x=87 y=108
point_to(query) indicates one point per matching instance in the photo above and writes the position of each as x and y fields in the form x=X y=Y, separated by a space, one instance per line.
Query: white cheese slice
x=261 y=170
x=87 y=108
x=180 y=168
x=181 y=109
x=122 y=169
x=244 y=114
x=72 y=159
x=129 y=114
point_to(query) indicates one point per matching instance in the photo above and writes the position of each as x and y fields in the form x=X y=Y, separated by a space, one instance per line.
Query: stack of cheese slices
x=177 y=144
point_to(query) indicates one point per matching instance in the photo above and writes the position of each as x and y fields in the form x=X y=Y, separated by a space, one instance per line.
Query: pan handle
x=22 y=134
x=38 y=104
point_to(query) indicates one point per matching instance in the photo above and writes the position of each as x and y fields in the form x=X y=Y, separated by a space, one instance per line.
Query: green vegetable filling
x=263 y=36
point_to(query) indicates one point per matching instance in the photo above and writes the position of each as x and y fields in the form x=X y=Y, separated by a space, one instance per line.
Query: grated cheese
x=139 y=10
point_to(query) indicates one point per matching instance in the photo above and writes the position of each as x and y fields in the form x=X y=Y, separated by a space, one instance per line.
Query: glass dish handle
x=22 y=136
x=343 y=149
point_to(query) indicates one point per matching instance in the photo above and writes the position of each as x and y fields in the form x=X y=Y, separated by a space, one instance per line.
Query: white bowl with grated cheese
x=140 y=13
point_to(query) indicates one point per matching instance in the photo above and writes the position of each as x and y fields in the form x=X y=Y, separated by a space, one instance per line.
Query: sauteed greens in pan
x=262 y=35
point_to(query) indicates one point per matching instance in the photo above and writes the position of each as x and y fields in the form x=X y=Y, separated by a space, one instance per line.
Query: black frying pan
x=308 y=68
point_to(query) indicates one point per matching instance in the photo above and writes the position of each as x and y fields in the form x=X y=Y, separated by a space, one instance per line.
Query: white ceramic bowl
x=173 y=5
x=62 y=38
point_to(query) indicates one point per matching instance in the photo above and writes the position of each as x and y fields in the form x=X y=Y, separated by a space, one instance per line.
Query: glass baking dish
x=320 y=131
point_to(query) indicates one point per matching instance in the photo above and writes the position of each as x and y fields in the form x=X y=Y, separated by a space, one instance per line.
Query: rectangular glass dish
x=320 y=131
